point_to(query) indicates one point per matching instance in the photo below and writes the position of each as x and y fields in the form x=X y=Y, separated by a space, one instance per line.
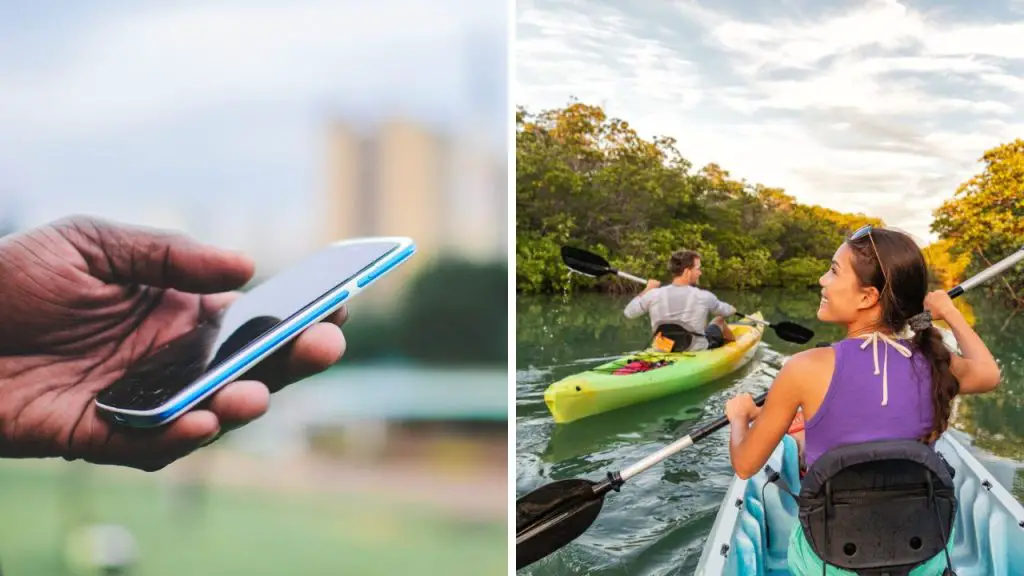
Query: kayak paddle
x=987 y=273
x=559 y=512
x=979 y=278
x=594 y=265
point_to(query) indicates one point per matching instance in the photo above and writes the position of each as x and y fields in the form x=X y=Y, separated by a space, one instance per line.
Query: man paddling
x=679 y=311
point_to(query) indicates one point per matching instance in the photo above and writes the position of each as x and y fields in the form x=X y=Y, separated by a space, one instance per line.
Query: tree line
x=591 y=181
x=984 y=222
x=588 y=180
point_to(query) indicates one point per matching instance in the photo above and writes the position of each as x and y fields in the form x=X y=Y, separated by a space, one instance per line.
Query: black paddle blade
x=585 y=262
x=552 y=516
x=793 y=332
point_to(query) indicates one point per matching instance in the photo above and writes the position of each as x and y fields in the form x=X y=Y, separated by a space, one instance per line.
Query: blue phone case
x=255 y=351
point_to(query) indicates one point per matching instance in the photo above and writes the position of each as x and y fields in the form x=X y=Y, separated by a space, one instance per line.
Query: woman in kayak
x=875 y=384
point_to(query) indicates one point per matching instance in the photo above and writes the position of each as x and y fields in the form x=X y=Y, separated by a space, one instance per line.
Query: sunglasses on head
x=863 y=231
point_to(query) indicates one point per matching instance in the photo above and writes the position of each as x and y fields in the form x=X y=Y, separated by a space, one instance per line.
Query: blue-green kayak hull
x=989 y=530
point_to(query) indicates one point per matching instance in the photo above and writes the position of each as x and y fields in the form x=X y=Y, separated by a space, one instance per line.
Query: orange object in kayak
x=797 y=425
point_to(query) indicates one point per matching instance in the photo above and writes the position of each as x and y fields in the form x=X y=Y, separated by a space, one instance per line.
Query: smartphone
x=171 y=380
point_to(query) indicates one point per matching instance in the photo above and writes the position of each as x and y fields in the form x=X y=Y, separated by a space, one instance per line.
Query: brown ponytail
x=901 y=298
x=945 y=386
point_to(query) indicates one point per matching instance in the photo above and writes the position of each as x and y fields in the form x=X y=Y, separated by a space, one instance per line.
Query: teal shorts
x=804 y=562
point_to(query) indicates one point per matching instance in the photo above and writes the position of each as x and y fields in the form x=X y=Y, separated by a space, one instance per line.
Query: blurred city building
x=445 y=190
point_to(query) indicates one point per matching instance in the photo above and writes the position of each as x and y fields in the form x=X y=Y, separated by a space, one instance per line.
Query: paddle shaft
x=640 y=280
x=684 y=442
x=755 y=320
x=987 y=273
x=629 y=276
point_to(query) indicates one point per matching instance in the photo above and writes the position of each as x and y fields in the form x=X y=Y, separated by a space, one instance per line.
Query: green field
x=233 y=531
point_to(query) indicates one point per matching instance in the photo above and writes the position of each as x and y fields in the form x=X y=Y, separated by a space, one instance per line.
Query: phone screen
x=168 y=370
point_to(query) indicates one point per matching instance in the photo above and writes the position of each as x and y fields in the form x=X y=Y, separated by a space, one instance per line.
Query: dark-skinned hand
x=82 y=299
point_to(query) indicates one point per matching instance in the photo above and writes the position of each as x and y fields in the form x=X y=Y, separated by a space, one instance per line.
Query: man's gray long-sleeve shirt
x=687 y=306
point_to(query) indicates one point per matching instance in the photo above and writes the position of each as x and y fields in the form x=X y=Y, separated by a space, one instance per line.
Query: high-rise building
x=404 y=178
x=387 y=183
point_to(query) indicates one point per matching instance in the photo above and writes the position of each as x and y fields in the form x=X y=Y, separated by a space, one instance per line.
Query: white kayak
x=989 y=525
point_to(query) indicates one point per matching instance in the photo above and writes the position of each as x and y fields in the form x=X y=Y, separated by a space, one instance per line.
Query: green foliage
x=457 y=312
x=804 y=271
x=761 y=269
x=591 y=181
x=946 y=269
x=454 y=313
x=984 y=221
x=539 y=267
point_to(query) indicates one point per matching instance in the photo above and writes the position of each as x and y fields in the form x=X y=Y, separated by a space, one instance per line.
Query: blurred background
x=275 y=127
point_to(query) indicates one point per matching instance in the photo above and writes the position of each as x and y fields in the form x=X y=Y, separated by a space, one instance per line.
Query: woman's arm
x=750 y=446
x=975 y=368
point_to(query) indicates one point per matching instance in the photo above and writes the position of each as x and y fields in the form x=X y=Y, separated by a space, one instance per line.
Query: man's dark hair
x=681 y=261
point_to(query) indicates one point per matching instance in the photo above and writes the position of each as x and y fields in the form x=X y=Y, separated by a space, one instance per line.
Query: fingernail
x=209 y=439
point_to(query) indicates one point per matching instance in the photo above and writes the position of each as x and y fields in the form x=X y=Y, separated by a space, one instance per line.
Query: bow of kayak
x=602 y=389
x=989 y=525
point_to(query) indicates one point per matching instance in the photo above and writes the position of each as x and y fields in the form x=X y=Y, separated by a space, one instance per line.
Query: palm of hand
x=82 y=301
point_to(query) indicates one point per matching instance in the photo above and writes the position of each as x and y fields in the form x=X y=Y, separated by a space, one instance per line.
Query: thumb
x=122 y=254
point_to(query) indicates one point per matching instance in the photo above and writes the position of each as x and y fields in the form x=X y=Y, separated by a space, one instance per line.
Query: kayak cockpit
x=751 y=534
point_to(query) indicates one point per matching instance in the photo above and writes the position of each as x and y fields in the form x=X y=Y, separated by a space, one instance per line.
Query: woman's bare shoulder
x=812 y=366
x=812 y=358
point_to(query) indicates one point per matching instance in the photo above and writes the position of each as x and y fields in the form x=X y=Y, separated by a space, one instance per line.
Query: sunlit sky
x=879 y=107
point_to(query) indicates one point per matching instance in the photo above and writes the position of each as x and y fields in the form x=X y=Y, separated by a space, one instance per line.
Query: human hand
x=652 y=284
x=82 y=300
x=940 y=305
x=741 y=408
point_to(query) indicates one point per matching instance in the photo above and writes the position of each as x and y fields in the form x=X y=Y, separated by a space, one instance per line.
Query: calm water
x=658 y=523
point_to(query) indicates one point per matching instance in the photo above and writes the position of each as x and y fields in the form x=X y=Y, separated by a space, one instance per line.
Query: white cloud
x=878 y=108
x=1007 y=81
x=870 y=83
x=787 y=43
x=578 y=52
x=1001 y=40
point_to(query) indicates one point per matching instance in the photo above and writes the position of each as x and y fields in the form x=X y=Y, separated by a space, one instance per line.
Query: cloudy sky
x=879 y=107
x=214 y=111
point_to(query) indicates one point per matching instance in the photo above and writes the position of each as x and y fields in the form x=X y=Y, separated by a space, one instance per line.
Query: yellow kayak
x=607 y=387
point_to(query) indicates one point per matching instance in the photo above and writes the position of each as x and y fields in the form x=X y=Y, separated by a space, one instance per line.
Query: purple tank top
x=852 y=411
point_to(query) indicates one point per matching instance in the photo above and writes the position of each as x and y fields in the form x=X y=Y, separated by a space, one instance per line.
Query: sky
x=214 y=112
x=877 y=107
